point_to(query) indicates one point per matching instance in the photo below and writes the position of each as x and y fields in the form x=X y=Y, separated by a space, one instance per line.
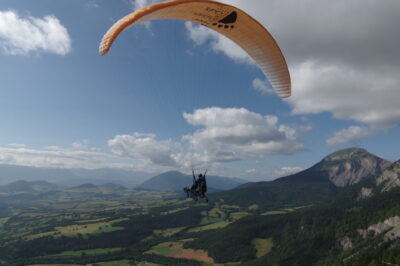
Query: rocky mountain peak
x=342 y=168
x=350 y=166
x=347 y=154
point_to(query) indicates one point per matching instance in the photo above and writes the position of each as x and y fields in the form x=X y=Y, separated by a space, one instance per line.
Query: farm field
x=79 y=227
x=109 y=227
x=176 y=250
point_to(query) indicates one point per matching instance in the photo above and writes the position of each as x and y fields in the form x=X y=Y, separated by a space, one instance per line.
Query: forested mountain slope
x=318 y=183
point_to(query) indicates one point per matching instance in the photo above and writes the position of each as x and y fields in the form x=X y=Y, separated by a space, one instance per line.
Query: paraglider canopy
x=229 y=21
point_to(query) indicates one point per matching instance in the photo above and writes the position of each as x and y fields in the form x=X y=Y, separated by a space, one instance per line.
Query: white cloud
x=92 y=4
x=234 y=134
x=262 y=86
x=305 y=128
x=349 y=134
x=341 y=60
x=287 y=170
x=224 y=135
x=22 y=36
x=138 y=4
x=80 y=145
x=60 y=158
x=146 y=148
x=365 y=96
x=201 y=35
x=251 y=171
x=265 y=173
x=52 y=147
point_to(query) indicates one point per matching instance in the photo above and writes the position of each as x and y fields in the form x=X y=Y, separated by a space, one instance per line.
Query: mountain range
x=71 y=176
x=176 y=181
x=168 y=181
x=25 y=186
x=319 y=182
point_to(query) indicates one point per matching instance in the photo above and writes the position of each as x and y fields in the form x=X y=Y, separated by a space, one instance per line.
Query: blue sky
x=172 y=95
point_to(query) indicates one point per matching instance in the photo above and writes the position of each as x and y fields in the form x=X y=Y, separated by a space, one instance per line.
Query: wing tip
x=104 y=47
x=103 y=52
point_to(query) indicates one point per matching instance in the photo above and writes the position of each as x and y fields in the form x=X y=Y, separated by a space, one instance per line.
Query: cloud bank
x=223 y=135
x=58 y=157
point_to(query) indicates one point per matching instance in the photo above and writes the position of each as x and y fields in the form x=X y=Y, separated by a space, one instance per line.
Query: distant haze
x=71 y=177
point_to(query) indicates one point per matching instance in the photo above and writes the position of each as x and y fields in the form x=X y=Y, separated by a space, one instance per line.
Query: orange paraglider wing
x=229 y=21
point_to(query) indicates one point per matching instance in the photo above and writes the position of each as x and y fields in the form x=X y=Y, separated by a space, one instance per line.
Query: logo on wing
x=228 y=21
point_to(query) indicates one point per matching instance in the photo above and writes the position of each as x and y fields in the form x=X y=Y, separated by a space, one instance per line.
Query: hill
x=89 y=187
x=112 y=186
x=176 y=181
x=27 y=187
